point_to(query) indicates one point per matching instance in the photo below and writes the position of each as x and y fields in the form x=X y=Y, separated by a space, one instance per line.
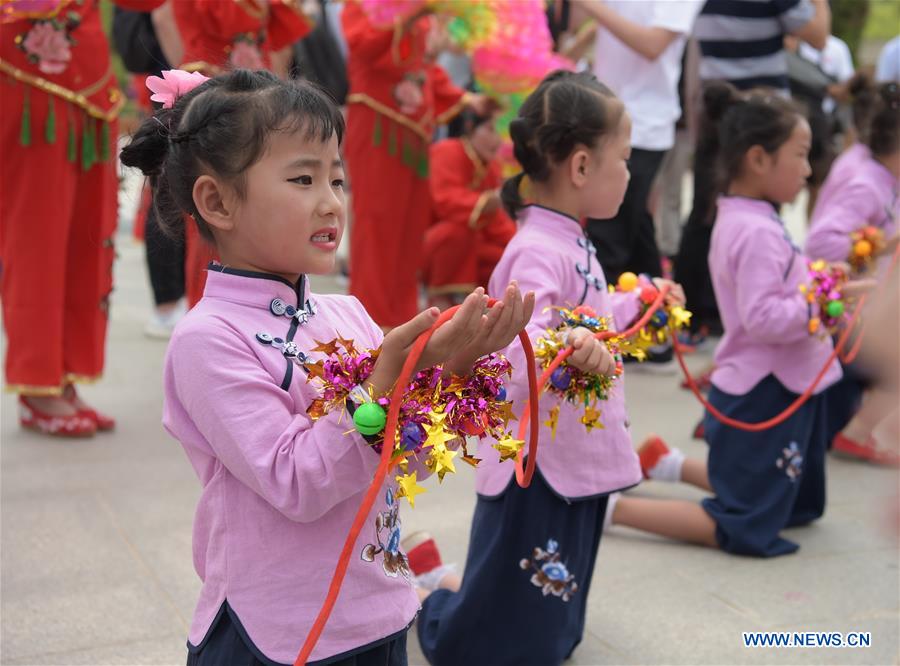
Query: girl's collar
x=551 y=210
x=755 y=200
x=300 y=289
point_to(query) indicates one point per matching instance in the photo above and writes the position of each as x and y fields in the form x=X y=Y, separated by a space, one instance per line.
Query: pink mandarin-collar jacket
x=868 y=195
x=279 y=491
x=842 y=169
x=756 y=274
x=551 y=256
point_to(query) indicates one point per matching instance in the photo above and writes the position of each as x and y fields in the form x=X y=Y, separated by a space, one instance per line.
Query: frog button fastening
x=586 y=244
x=278 y=307
x=288 y=348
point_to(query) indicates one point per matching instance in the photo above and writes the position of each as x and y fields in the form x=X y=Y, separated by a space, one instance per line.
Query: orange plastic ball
x=862 y=248
x=627 y=281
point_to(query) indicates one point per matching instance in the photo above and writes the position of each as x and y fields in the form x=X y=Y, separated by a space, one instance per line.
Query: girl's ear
x=578 y=167
x=214 y=203
x=757 y=160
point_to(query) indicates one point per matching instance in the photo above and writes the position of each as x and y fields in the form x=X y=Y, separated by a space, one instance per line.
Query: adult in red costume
x=225 y=34
x=58 y=205
x=470 y=229
x=397 y=97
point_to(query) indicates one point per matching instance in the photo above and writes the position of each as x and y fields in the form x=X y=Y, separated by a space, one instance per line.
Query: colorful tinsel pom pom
x=438 y=415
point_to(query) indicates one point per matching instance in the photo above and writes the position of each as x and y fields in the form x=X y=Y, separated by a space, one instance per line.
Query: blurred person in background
x=819 y=80
x=741 y=43
x=58 y=209
x=470 y=229
x=398 y=95
x=888 y=68
x=638 y=54
x=148 y=43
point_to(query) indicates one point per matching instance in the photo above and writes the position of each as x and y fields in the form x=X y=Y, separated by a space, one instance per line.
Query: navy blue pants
x=227 y=644
x=527 y=576
x=845 y=398
x=765 y=481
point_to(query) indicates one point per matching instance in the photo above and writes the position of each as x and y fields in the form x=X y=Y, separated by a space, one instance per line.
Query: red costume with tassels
x=470 y=229
x=58 y=205
x=219 y=35
x=387 y=158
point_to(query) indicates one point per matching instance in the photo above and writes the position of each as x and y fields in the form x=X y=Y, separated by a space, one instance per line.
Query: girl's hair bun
x=718 y=97
x=149 y=146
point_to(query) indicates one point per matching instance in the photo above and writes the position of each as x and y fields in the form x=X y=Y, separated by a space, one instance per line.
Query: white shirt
x=889 y=62
x=835 y=60
x=649 y=89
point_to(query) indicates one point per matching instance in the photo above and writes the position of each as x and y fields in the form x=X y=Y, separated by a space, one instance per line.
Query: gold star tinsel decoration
x=440 y=461
x=591 y=418
x=553 y=421
x=509 y=447
x=408 y=488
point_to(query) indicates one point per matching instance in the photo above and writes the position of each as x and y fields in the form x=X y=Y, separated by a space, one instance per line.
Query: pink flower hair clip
x=173 y=84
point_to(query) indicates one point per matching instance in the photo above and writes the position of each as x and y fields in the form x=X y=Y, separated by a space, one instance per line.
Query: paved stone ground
x=96 y=541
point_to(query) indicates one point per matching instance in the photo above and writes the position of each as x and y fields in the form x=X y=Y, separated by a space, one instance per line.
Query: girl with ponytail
x=532 y=551
x=764 y=481
x=862 y=196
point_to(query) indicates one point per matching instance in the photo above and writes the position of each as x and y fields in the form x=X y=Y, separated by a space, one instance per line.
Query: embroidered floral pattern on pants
x=549 y=572
x=387 y=540
x=791 y=461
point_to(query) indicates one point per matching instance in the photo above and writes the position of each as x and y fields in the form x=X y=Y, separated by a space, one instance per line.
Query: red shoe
x=699 y=431
x=868 y=451
x=703 y=382
x=649 y=454
x=102 y=422
x=422 y=553
x=75 y=425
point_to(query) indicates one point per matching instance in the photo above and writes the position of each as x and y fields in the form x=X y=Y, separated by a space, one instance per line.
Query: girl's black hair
x=876 y=113
x=862 y=104
x=733 y=122
x=566 y=110
x=223 y=127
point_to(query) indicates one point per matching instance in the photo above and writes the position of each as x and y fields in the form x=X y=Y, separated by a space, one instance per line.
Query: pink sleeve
x=538 y=272
x=851 y=209
x=771 y=308
x=302 y=468
x=625 y=307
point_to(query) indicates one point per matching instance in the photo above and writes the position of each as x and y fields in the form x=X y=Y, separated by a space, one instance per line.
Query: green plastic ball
x=369 y=418
x=834 y=309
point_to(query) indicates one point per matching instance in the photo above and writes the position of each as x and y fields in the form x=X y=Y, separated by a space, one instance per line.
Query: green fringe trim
x=422 y=163
x=71 y=148
x=104 y=141
x=88 y=146
x=25 y=133
x=50 y=127
x=392 y=139
x=406 y=154
x=376 y=133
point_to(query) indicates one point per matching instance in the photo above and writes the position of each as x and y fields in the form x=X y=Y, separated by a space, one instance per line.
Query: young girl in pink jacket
x=760 y=482
x=532 y=551
x=860 y=199
x=255 y=163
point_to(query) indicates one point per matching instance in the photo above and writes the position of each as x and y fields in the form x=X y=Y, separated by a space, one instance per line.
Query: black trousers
x=692 y=262
x=627 y=242
x=165 y=260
